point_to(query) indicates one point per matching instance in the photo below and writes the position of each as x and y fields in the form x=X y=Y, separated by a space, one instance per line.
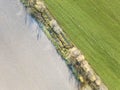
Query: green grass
x=94 y=27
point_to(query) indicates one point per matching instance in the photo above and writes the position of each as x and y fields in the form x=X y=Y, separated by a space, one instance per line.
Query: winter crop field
x=94 y=27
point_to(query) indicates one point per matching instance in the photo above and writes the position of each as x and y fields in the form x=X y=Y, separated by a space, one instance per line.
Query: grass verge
x=94 y=27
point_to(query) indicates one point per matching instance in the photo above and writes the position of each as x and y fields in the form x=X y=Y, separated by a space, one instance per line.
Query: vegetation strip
x=74 y=58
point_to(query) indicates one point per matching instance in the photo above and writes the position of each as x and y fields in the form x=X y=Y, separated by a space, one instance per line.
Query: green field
x=94 y=27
